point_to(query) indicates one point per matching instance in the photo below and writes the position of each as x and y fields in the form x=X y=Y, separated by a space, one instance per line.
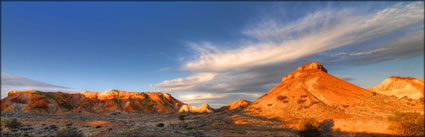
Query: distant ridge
x=235 y=105
x=401 y=87
x=204 y=108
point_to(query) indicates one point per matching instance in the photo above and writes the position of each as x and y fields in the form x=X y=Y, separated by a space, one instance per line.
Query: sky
x=204 y=52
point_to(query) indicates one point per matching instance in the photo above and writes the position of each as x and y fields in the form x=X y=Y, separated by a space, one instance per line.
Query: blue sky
x=200 y=52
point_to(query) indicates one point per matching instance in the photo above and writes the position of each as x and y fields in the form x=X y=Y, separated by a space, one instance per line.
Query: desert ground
x=234 y=123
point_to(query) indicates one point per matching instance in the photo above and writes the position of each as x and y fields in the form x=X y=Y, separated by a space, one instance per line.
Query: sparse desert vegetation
x=408 y=124
x=68 y=132
x=13 y=124
x=308 y=127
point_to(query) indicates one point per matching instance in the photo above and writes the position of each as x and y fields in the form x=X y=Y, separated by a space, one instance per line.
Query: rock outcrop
x=306 y=68
x=240 y=103
x=95 y=102
x=401 y=87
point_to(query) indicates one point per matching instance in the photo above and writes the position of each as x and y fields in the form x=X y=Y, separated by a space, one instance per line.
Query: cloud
x=182 y=84
x=14 y=82
x=258 y=66
x=361 y=53
x=409 y=45
x=202 y=96
x=318 y=32
x=215 y=99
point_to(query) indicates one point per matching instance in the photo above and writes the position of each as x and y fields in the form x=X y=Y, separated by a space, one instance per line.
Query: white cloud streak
x=209 y=97
x=362 y=53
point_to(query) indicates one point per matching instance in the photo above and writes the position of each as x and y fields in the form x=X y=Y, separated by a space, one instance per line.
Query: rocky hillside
x=204 y=108
x=310 y=91
x=401 y=86
x=234 y=105
x=95 y=102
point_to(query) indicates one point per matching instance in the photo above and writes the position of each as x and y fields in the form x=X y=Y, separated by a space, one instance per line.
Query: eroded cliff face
x=93 y=102
x=401 y=87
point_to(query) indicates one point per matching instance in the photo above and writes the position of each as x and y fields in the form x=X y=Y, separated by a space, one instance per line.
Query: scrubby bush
x=181 y=117
x=68 y=132
x=13 y=124
x=326 y=126
x=281 y=97
x=300 y=101
x=407 y=123
x=133 y=133
x=308 y=127
x=160 y=125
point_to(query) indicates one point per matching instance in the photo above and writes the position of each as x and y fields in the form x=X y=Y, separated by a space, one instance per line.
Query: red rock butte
x=309 y=91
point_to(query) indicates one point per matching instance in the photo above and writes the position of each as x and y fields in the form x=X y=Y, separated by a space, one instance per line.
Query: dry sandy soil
x=225 y=123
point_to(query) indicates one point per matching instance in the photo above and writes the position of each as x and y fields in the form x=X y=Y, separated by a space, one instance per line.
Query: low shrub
x=407 y=123
x=181 y=117
x=160 y=125
x=13 y=124
x=300 y=101
x=68 y=132
x=308 y=127
x=281 y=97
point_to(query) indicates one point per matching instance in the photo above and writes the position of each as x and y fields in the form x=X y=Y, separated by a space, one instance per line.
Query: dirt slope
x=401 y=86
x=96 y=102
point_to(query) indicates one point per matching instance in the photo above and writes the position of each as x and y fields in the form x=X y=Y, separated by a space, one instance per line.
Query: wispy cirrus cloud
x=318 y=32
x=361 y=53
x=14 y=82
x=198 y=99
x=281 y=47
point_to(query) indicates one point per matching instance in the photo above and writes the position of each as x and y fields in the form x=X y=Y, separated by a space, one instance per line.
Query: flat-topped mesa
x=21 y=91
x=312 y=67
x=89 y=101
x=111 y=94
